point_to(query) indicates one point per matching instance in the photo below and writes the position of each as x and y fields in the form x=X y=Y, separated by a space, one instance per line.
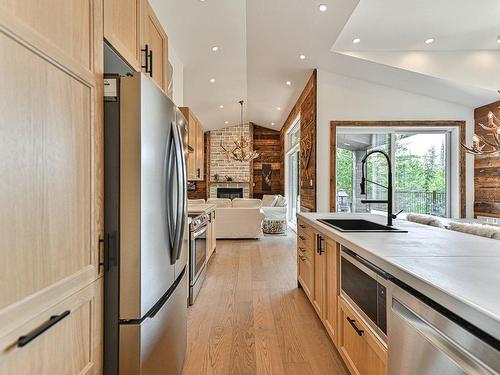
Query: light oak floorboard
x=250 y=317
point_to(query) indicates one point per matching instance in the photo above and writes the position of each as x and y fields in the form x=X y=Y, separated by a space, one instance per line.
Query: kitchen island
x=458 y=271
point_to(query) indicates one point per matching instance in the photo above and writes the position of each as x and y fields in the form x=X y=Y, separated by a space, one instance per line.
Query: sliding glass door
x=292 y=174
x=421 y=169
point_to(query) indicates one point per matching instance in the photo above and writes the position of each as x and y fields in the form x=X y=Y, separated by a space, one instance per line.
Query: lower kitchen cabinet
x=70 y=344
x=318 y=267
x=318 y=299
x=332 y=283
x=361 y=351
x=211 y=238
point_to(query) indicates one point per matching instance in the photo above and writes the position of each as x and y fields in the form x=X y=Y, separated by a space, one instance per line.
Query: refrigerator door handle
x=184 y=193
x=181 y=191
x=171 y=225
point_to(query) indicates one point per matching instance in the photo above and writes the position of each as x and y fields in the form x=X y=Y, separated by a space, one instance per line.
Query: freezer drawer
x=157 y=346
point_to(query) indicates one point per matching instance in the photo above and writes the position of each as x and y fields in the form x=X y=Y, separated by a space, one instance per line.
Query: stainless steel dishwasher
x=426 y=339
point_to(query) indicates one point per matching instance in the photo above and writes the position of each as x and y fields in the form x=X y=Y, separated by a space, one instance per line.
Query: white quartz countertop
x=457 y=270
x=199 y=209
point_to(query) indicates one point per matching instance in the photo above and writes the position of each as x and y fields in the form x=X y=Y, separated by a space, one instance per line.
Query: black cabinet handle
x=198 y=172
x=352 y=322
x=302 y=238
x=320 y=250
x=54 y=319
x=146 y=58
x=150 y=63
x=302 y=226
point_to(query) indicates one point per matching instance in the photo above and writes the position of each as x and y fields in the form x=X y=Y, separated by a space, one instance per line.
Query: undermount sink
x=359 y=225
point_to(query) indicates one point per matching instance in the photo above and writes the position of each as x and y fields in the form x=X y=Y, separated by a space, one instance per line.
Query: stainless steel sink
x=359 y=225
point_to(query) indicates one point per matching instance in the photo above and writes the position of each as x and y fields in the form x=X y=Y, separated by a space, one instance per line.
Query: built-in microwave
x=364 y=286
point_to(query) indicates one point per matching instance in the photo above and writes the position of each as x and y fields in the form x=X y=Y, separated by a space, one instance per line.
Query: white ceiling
x=260 y=40
x=395 y=25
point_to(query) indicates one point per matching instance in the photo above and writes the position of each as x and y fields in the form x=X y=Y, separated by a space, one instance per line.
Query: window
x=421 y=169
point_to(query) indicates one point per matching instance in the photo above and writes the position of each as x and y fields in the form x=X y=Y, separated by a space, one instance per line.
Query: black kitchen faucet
x=362 y=185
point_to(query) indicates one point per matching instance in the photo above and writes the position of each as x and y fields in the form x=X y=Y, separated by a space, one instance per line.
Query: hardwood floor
x=250 y=317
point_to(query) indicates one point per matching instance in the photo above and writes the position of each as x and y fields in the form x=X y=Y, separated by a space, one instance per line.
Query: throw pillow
x=280 y=201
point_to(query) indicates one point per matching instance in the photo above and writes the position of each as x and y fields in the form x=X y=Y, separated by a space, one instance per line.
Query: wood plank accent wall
x=201 y=186
x=486 y=170
x=267 y=143
x=333 y=150
x=305 y=107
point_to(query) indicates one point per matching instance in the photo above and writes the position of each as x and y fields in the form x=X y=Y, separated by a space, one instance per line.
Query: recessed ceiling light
x=429 y=41
x=347 y=144
x=212 y=80
x=498 y=39
x=288 y=83
x=215 y=49
x=356 y=40
x=278 y=108
x=302 y=57
x=221 y=106
x=272 y=124
x=202 y=1
x=323 y=8
x=226 y=122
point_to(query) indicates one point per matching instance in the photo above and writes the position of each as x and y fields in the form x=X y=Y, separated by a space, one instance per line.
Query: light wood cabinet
x=332 y=291
x=318 y=268
x=51 y=192
x=212 y=239
x=306 y=259
x=361 y=350
x=318 y=300
x=154 y=47
x=122 y=29
x=72 y=344
x=196 y=143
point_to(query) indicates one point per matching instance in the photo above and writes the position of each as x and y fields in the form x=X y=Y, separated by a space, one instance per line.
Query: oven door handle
x=199 y=232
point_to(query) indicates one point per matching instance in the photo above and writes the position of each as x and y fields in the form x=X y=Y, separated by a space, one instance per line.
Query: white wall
x=178 y=78
x=343 y=98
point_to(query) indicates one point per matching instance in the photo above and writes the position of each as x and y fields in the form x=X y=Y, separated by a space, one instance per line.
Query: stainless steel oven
x=198 y=246
x=364 y=286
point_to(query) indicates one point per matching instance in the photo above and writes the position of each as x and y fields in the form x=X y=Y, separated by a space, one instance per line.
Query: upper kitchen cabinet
x=154 y=47
x=196 y=156
x=122 y=29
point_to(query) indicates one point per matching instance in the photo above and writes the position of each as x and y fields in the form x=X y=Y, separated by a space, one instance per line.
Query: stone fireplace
x=222 y=168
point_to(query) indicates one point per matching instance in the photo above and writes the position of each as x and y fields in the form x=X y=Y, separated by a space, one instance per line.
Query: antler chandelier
x=241 y=152
x=483 y=146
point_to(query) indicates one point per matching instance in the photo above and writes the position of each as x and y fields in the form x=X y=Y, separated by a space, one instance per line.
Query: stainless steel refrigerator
x=146 y=231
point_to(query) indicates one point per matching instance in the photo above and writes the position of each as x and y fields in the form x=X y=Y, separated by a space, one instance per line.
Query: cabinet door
x=72 y=345
x=192 y=143
x=50 y=177
x=200 y=151
x=155 y=38
x=122 y=29
x=319 y=275
x=330 y=310
x=362 y=352
x=306 y=275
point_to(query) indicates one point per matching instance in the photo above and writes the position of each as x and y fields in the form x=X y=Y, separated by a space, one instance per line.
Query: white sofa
x=271 y=211
x=240 y=218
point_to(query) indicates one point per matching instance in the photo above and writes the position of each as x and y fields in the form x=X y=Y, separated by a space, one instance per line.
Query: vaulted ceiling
x=259 y=43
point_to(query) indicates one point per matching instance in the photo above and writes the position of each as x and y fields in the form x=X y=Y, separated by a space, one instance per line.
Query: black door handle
x=150 y=63
x=320 y=250
x=53 y=320
x=352 y=322
x=146 y=58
